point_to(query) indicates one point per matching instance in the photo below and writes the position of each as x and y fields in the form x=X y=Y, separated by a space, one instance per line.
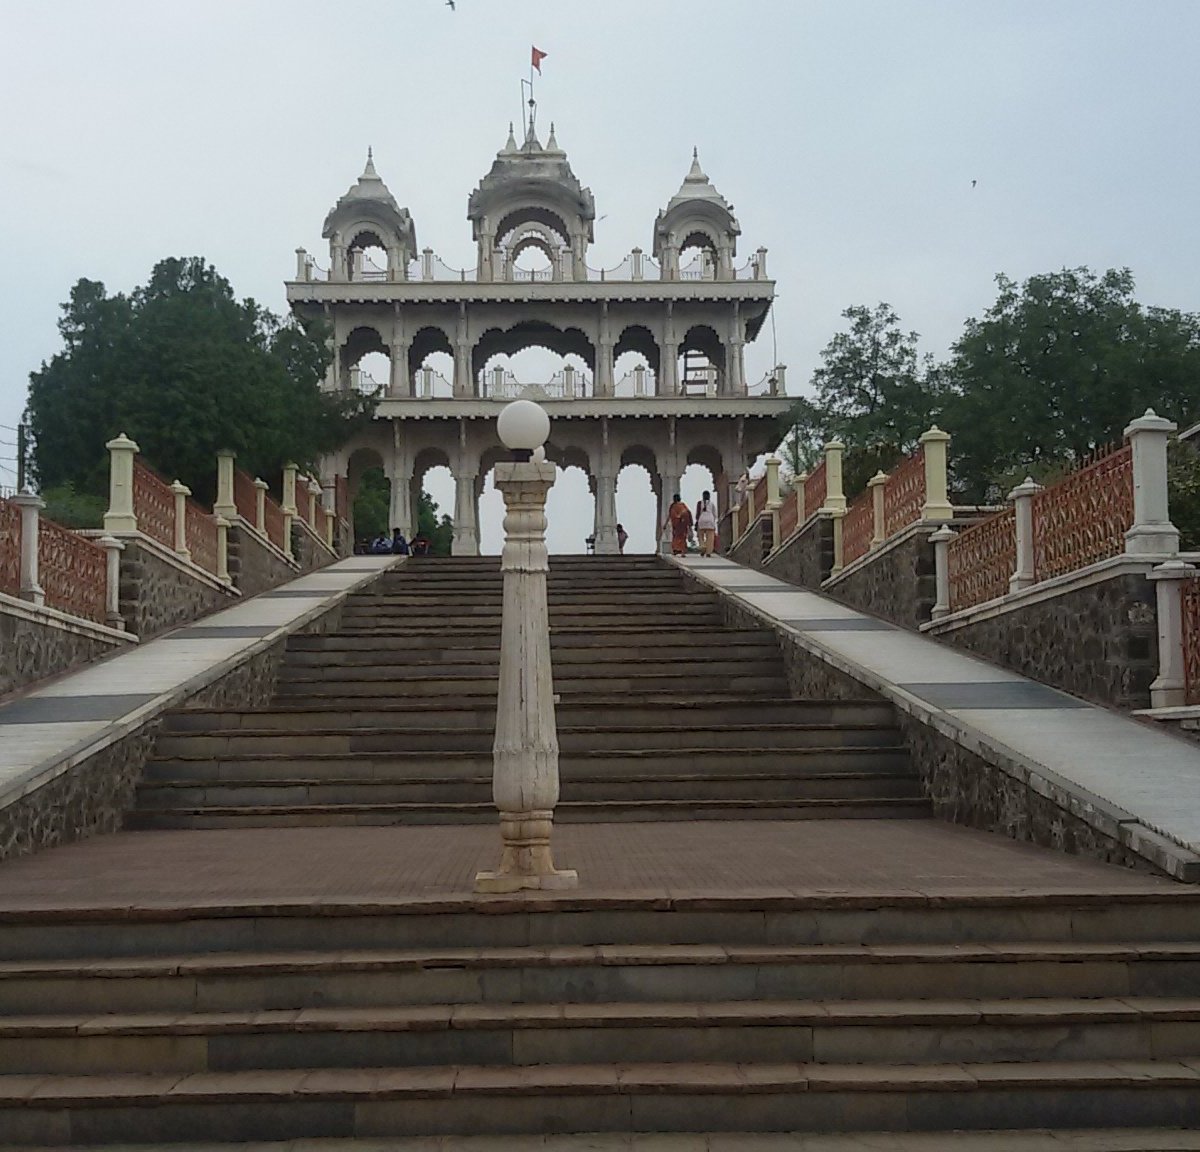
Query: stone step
x=1032 y=921
x=560 y=636
x=566 y=812
x=847 y=1032
x=158 y=794
x=613 y=597
x=279 y=1104
x=596 y=974
x=268 y=734
x=575 y=684
x=392 y=667
x=669 y=766
x=346 y=651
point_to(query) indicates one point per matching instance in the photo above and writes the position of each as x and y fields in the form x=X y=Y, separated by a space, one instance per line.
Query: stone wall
x=1099 y=641
x=752 y=548
x=37 y=644
x=308 y=553
x=157 y=595
x=807 y=558
x=979 y=787
x=254 y=566
x=897 y=582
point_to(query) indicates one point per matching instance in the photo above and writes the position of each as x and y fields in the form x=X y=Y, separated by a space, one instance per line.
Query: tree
x=372 y=508
x=872 y=392
x=439 y=531
x=184 y=368
x=1055 y=369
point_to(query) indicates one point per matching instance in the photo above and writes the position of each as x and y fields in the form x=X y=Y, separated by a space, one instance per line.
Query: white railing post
x=31 y=507
x=835 y=497
x=876 y=484
x=225 y=504
x=937 y=505
x=120 y=516
x=635 y=264
x=181 y=492
x=112 y=581
x=772 y=480
x=301 y=264
x=1152 y=533
x=222 y=549
x=1169 y=689
x=289 y=505
x=260 y=505
x=941 y=567
x=313 y=488
x=1025 y=574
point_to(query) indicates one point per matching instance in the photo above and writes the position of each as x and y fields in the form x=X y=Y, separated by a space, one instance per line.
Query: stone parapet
x=896 y=580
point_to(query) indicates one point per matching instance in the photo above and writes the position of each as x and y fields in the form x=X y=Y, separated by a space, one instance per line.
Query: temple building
x=687 y=309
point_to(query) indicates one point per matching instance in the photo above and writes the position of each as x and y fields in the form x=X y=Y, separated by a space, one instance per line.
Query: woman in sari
x=679 y=518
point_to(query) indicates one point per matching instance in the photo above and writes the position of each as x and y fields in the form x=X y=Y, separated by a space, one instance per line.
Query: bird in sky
x=973 y=182
x=450 y=5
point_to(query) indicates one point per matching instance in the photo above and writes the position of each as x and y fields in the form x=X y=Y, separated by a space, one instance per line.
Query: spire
x=510 y=144
x=369 y=170
x=695 y=173
x=552 y=144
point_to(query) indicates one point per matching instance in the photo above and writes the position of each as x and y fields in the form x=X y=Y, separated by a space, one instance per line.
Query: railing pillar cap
x=259 y=482
x=122 y=441
x=221 y=522
x=227 y=452
x=1028 y=487
x=1172 y=570
x=879 y=478
x=111 y=543
x=835 y=443
x=1151 y=421
x=945 y=532
x=180 y=489
x=27 y=500
x=934 y=433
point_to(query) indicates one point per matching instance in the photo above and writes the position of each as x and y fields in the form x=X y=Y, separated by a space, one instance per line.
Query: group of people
x=680 y=521
x=397 y=545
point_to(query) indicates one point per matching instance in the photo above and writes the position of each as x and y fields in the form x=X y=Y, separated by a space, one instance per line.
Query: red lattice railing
x=982 y=559
x=758 y=496
x=858 y=527
x=789 y=514
x=816 y=488
x=245 y=496
x=1191 y=640
x=10 y=548
x=72 y=571
x=274 y=522
x=201 y=531
x=342 y=500
x=904 y=494
x=740 y=518
x=1084 y=517
x=153 y=504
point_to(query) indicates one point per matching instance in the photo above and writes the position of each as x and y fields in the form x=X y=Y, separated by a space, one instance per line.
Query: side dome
x=368 y=216
x=697 y=216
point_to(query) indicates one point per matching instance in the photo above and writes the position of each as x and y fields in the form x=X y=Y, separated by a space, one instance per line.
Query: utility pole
x=21 y=456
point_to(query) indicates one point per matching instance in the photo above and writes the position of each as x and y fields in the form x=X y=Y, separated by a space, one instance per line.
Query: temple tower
x=687 y=311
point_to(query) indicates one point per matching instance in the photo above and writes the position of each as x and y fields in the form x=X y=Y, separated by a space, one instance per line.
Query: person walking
x=622 y=536
x=679 y=518
x=706 y=524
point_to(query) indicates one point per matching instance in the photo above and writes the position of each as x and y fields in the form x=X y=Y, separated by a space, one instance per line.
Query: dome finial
x=552 y=143
x=510 y=145
x=695 y=173
x=369 y=170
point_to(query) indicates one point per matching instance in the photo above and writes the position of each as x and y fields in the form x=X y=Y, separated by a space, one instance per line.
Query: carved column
x=606 y=514
x=466 y=537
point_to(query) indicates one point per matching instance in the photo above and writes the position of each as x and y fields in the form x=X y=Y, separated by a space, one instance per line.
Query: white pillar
x=606 y=515
x=937 y=505
x=941 y=567
x=877 y=483
x=668 y=369
x=31 y=507
x=466 y=540
x=290 y=510
x=225 y=504
x=400 y=509
x=112 y=585
x=1022 y=496
x=462 y=369
x=525 y=783
x=313 y=488
x=1152 y=533
x=260 y=505
x=772 y=481
x=835 y=496
x=182 y=492
x=120 y=516
x=1169 y=689
x=222 y=549
x=399 y=382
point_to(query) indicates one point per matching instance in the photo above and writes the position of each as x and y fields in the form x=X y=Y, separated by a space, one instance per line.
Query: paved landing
x=1146 y=774
x=43 y=731
x=759 y=858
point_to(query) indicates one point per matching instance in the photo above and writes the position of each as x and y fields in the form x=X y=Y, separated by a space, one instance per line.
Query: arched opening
x=698 y=256
x=701 y=367
x=637 y=509
x=431 y=364
x=366 y=256
x=368 y=489
x=635 y=362
x=536 y=360
x=433 y=500
x=366 y=364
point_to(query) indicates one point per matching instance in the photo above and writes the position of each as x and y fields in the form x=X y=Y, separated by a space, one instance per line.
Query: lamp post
x=525 y=753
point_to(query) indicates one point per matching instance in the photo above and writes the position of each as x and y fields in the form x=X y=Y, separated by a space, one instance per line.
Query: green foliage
x=1183 y=487
x=439 y=531
x=873 y=394
x=185 y=369
x=74 y=509
x=371 y=506
x=1055 y=369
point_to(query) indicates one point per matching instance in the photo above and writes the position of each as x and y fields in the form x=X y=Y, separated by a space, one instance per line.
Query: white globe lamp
x=523 y=426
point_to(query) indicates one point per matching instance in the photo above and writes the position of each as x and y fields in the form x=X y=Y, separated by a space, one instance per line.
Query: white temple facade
x=687 y=308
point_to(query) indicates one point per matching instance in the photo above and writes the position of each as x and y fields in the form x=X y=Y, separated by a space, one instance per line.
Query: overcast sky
x=847 y=135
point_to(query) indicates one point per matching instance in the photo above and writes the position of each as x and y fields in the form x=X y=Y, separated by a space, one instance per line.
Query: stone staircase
x=664 y=714
x=235 y=1023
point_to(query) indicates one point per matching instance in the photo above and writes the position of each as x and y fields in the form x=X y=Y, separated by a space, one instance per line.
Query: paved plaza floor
x=916 y=858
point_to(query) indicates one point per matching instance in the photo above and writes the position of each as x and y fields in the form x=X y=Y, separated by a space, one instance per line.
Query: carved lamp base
x=525 y=861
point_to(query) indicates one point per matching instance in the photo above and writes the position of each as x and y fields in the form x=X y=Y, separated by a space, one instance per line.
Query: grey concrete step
x=849 y=1032
x=560 y=638
x=393 y=667
x=344 y=651
x=663 y=765
x=598 y=812
x=589 y=682
x=381 y=1102
x=252 y=981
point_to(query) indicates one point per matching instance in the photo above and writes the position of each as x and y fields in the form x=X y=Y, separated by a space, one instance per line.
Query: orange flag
x=538 y=57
